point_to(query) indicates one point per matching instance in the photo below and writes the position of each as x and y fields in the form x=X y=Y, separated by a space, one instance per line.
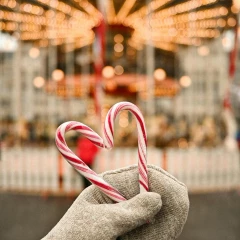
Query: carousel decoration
x=170 y=23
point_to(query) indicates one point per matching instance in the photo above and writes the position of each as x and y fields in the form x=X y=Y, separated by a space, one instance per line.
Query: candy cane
x=83 y=169
x=78 y=164
x=142 y=138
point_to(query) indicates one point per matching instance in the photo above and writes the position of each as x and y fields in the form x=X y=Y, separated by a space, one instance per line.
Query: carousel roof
x=162 y=23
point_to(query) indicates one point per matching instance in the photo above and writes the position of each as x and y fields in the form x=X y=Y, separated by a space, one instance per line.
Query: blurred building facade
x=207 y=66
x=22 y=95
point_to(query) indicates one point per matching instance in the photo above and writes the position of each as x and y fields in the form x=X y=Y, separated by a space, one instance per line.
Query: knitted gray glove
x=146 y=216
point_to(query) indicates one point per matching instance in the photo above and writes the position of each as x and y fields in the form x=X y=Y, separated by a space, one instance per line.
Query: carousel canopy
x=162 y=23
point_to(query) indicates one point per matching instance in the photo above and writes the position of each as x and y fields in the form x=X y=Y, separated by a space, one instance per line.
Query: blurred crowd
x=206 y=131
x=24 y=132
x=166 y=131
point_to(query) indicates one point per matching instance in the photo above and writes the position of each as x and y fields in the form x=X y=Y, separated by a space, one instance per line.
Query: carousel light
x=131 y=51
x=119 y=70
x=57 y=75
x=223 y=11
x=236 y=4
x=125 y=9
x=143 y=11
x=111 y=85
x=182 y=22
x=9 y=3
x=123 y=122
x=203 y=50
x=234 y=9
x=123 y=119
x=50 y=13
x=182 y=7
x=118 y=47
x=231 y=22
x=111 y=14
x=12 y=4
x=34 y=52
x=108 y=72
x=182 y=143
x=43 y=43
x=221 y=22
x=159 y=74
x=228 y=40
x=118 y=38
x=38 y=82
x=185 y=81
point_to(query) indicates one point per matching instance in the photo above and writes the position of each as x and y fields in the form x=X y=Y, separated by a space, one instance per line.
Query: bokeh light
x=203 y=51
x=159 y=74
x=34 y=52
x=119 y=70
x=108 y=72
x=38 y=82
x=118 y=47
x=57 y=75
x=185 y=81
x=118 y=38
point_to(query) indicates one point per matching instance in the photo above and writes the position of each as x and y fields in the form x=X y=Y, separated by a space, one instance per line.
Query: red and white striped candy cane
x=142 y=138
x=77 y=163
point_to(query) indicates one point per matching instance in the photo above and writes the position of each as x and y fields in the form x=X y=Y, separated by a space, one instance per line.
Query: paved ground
x=212 y=216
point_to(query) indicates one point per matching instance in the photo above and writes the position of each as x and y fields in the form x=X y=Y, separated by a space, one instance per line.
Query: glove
x=146 y=216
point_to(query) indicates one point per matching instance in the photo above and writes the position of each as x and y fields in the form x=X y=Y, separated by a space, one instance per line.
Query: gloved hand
x=146 y=216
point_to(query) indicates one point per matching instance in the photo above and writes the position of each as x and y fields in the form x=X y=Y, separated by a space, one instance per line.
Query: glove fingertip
x=150 y=201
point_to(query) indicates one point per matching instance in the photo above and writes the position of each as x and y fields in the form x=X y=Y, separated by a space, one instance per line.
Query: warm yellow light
x=185 y=81
x=118 y=47
x=159 y=74
x=123 y=119
x=223 y=11
x=236 y=4
x=226 y=42
x=34 y=52
x=125 y=9
x=118 y=70
x=111 y=85
x=123 y=122
x=118 y=38
x=57 y=75
x=231 y=22
x=108 y=72
x=182 y=143
x=203 y=50
x=38 y=82
x=234 y=9
x=221 y=22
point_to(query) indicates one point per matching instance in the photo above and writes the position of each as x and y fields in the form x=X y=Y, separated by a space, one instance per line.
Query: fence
x=43 y=170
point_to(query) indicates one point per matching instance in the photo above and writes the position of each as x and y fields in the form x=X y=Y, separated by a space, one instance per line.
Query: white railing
x=29 y=169
x=122 y=157
x=205 y=169
x=37 y=169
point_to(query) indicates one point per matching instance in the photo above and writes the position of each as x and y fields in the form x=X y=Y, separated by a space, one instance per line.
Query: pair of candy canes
x=88 y=173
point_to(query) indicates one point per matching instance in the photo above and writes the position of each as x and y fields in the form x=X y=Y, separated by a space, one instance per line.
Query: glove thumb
x=135 y=212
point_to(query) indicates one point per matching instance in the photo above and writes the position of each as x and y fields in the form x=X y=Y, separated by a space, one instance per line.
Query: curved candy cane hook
x=142 y=138
x=78 y=164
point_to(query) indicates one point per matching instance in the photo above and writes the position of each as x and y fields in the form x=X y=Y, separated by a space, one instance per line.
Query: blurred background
x=177 y=60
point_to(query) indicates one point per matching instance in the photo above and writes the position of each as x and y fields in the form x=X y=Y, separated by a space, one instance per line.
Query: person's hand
x=87 y=220
x=93 y=216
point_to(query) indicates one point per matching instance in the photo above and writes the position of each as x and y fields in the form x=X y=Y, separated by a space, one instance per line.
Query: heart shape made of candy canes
x=108 y=132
